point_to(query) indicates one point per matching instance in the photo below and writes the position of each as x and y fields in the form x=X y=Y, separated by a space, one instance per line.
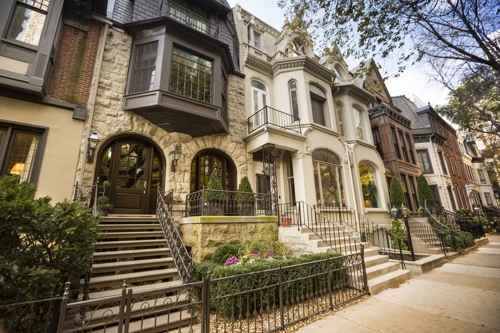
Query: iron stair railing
x=427 y=233
x=182 y=258
x=448 y=233
x=463 y=223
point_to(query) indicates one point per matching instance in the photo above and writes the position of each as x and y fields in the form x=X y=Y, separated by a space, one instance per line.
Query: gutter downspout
x=94 y=96
x=347 y=149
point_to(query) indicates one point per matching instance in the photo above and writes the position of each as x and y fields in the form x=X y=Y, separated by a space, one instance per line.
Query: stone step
x=375 y=260
x=334 y=233
x=381 y=269
x=130 y=219
x=339 y=241
x=130 y=265
x=130 y=226
x=146 y=287
x=369 y=252
x=309 y=230
x=99 y=316
x=98 y=256
x=117 y=280
x=161 y=323
x=389 y=280
x=130 y=243
x=137 y=234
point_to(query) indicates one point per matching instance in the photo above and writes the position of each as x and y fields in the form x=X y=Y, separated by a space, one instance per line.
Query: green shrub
x=397 y=230
x=41 y=246
x=396 y=193
x=245 y=187
x=226 y=251
x=214 y=184
x=237 y=305
x=263 y=248
x=424 y=192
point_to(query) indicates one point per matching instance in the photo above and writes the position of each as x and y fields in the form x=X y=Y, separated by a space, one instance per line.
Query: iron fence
x=182 y=258
x=28 y=313
x=227 y=203
x=492 y=216
x=191 y=19
x=427 y=233
x=270 y=116
x=263 y=301
x=87 y=195
x=462 y=223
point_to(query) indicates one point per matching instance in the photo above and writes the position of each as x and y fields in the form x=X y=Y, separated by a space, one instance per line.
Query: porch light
x=394 y=211
x=93 y=141
x=404 y=209
x=176 y=154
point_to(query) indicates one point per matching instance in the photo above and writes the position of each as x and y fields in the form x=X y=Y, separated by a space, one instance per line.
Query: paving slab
x=495 y=243
x=449 y=301
x=489 y=250
x=471 y=270
x=457 y=279
x=479 y=259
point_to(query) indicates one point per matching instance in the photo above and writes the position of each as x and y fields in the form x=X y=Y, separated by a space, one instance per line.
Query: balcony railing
x=189 y=18
x=270 y=116
x=227 y=203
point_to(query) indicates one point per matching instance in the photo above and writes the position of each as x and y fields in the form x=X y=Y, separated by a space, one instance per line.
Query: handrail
x=463 y=223
x=450 y=241
x=329 y=211
x=427 y=233
x=388 y=242
x=271 y=116
x=330 y=233
x=87 y=193
x=182 y=259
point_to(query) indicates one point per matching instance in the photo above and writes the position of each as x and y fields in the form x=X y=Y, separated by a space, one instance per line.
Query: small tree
x=396 y=193
x=245 y=187
x=424 y=191
x=214 y=184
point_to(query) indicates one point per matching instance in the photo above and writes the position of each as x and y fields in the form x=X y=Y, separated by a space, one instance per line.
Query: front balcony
x=191 y=19
x=270 y=116
x=176 y=113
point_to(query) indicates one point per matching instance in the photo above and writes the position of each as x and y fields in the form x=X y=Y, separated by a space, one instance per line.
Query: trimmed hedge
x=224 y=252
x=248 y=302
x=460 y=240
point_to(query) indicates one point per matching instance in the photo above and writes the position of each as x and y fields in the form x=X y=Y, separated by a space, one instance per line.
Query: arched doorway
x=134 y=167
x=205 y=163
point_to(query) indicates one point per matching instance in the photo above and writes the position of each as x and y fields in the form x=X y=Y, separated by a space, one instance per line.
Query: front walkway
x=460 y=296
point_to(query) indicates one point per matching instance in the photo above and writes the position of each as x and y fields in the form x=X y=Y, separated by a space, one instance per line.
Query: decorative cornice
x=356 y=92
x=393 y=114
x=259 y=65
x=259 y=24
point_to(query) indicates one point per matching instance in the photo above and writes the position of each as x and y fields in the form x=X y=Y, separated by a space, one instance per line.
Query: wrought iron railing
x=227 y=203
x=87 y=194
x=462 y=223
x=182 y=258
x=339 y=214
x=449 y=234
x=492 y=216
x=387 y=242
x=191 y=19
x=427 y=233
x=270 y=116
x=301 y=214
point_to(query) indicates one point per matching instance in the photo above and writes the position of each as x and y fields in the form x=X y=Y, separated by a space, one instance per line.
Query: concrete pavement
x=460 y=296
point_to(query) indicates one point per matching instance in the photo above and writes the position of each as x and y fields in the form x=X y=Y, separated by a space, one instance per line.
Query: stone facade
x=205 y=233
x=111 y=120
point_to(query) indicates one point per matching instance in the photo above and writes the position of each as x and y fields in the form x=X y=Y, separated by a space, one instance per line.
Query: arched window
x=368 y=185
x=339 y=71
x=318 y=99
x=260 y=99
x=359 y=123
x=327 y=177
x=340 y=118
x=292 y=87
x=207 y=162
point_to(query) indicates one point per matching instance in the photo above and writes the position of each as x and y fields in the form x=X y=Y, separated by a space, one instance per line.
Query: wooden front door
x=134 y=170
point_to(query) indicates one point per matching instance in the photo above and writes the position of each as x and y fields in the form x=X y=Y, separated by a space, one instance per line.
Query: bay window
x=327 y=177
x=368 y=185
x=359 y=123
x=28 y=20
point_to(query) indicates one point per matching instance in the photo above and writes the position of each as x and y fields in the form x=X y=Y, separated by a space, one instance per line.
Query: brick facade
x=74 y=66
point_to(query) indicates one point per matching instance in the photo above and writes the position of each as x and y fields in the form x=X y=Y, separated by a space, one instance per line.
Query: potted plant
x=103 y=205
x=246 y=200
x=396 y=195
x=214 y=200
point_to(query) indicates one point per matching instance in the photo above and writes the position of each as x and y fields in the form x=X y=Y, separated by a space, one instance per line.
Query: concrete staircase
x=427 y=246
x=381 y=273
x=133 y=251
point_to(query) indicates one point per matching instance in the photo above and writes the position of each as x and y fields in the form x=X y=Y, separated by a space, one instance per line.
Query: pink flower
x=231 y=261
x=255 y=256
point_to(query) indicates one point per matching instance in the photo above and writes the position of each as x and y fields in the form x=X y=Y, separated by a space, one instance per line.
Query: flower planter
x=213 y=209
x=104 y=211
x=245 y=209
x=286 y=222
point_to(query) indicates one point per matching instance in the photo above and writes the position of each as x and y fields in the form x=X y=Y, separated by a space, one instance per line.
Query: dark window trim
x=6 y=143
x=410 y=148
x=429 y=159
x=450 y=194
x=404 y=149
x=443 y=163
x=395 y=143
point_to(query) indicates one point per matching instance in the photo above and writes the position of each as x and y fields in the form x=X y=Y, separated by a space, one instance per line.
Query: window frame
x=451 y=165
x=295 y=113
x=410 y=149
x=452 y=199
x=403 y=147
x=363 y=123
x=482 y=180
x=324 y=104
x=340 y=118
x=11 y=128
x=256 y=41
x=8 y=26
x=456 y=167
x=443 y=163
x=339 y=177
x=395 y=143
x=489 y=203
x=426 y=151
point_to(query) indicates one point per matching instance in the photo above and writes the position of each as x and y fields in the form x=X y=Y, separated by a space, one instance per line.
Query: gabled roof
x=361 y=80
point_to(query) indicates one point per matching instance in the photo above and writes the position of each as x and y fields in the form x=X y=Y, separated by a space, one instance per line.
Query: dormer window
x=28 y=20
x=256 y=40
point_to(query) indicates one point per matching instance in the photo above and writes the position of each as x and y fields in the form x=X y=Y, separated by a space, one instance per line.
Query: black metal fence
x=492 y=216
x=227 y=203
x=460 y=222
x=270 y=116
x=87 y=195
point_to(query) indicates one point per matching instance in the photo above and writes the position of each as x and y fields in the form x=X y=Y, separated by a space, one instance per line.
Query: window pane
x=132 y=166
x=358 y=122
x=144 y=68
x=295 y=105
x=258 y=85
x=22 y=155
x=1 y=136
x=340 y=117
x=369 y=185
x=256 y=38
x=40 y=4
x=317 y=91
x=26 y=25
x=318 y=114
x=191 y=76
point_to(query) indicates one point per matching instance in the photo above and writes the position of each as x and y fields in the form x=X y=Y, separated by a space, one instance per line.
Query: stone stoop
x=381 y=273
x=134 y=250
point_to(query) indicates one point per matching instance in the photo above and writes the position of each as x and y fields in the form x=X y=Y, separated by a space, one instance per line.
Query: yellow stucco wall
x=60 y=157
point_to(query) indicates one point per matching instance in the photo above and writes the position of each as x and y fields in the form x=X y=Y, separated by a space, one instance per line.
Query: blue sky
x=413 y=80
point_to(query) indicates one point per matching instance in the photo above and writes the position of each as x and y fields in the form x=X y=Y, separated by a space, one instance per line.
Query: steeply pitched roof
x=408 y=110
x=361 y=80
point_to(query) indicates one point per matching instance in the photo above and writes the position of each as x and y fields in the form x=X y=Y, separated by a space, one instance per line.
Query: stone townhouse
x=392 y=136
x=438 y=154
x=309 y=108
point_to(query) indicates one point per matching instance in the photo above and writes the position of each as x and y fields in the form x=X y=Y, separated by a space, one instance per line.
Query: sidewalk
x=460 y=296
